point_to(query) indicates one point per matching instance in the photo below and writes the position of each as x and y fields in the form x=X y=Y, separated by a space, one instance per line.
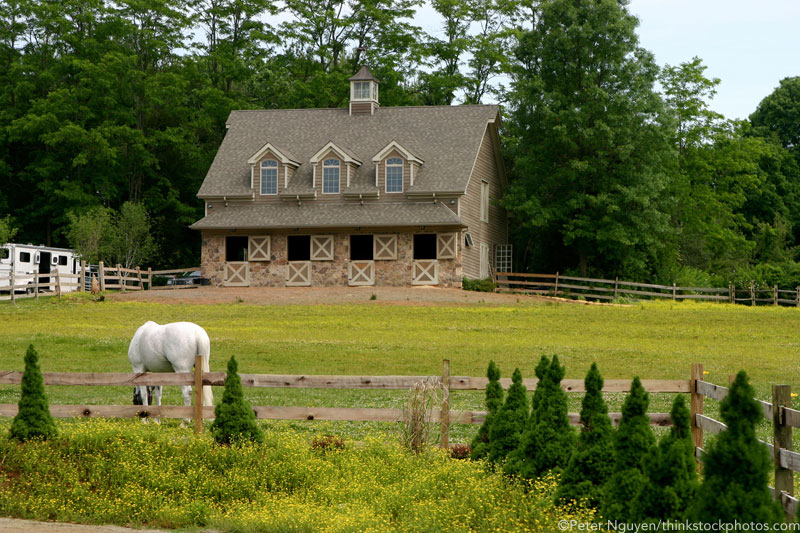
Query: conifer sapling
x=510 y=420
x=234 y=418
x=494 y=401
x=33 y=421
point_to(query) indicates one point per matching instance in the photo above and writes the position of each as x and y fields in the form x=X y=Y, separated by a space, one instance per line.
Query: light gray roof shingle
x=447 y=138
x=333 y=215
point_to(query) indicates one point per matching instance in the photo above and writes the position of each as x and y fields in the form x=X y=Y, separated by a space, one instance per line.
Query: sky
x=750 y=45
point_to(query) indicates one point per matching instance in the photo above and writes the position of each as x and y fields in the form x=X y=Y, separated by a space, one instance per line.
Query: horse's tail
x=204 y=349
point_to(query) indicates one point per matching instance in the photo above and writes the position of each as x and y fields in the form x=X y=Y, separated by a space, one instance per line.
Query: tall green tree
x=593 y=461
x=7 y=231
x=589 y=145
x=736 y=466
x=778 y=115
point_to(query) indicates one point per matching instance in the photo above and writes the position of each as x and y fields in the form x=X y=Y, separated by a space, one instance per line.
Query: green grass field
x=652 y=340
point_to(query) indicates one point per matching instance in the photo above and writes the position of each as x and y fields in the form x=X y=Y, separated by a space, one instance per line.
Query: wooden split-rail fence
x=108 y=278
x=778 y=412
x=558 y=285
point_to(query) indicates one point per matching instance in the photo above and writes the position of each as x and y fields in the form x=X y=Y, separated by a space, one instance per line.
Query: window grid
x=361 y=90
x=330 y=176
x=394 y=175
x=503 y=257
x=269 y=177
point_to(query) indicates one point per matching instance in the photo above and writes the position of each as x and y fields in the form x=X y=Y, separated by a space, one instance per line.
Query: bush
x=671 y=471
x=327 y=443
x=593 y=461
x=510 y=421
x=33 y=421
x=737 y=466
x=479 y=285
x=460 y=451
x=548 y=440
x=634 y=440
x=234 y=418
x=494 y=401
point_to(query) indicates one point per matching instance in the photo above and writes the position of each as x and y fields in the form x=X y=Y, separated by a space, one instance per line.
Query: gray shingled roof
x=447 y=138
x=319 y=214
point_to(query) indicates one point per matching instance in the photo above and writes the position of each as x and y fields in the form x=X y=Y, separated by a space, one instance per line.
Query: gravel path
x=12 y=525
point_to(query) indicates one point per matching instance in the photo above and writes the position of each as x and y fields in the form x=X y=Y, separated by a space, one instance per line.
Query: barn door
x=322 y=247
x=236 y=274
x=446 y=245
x=361 y=273
x=484 y=260
x=298 y=274
x=426 y=272
x=258 y=248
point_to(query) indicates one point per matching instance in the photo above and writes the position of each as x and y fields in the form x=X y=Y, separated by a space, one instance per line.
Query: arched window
x=394 y=174
x=330 y=176
x=269 y=177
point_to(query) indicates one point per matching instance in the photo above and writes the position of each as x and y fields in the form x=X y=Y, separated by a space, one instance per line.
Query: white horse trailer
x=25 y=259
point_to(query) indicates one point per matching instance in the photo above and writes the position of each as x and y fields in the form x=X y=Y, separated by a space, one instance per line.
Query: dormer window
x=269 y=177
x=394 y=174
x=330 y=176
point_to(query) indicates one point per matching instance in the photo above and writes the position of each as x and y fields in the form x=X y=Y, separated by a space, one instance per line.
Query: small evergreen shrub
x=234 y=420
x=33 y=421
x=479 y=285
x=510 y=421
x=633 y=441
x=592 y=463
x=736 y=466
x=494 y=401
x=548 y=440
x=671 y=471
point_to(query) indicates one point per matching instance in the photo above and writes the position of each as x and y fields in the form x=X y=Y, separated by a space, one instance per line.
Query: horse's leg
x=156 y=397
x=186 y=391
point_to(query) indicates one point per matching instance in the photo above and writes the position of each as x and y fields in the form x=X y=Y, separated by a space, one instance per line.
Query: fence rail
x=783 y=419
x=606 y=289
x=445 y=415
x=108 y=277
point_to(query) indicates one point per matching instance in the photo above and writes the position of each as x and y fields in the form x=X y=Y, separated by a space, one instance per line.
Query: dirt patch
x=325 y=295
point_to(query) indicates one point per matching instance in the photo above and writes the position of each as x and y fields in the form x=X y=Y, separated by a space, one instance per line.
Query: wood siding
x=496 y=230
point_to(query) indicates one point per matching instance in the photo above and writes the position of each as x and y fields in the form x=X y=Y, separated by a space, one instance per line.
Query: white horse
x=168 y=348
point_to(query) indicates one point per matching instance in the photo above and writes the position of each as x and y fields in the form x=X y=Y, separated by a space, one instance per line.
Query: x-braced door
x=426 y=272
x=361 y=273
x=236 y=274
x=298 y=274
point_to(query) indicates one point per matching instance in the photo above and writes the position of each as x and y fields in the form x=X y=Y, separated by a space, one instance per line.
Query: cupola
x=363 y=93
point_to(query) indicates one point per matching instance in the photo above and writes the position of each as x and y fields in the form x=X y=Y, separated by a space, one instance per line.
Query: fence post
x=697 y=404
x=121 y=279
x=139 y=275
x=775 y=295
x=198 y=394
x=11 y=282
x=797 y=298
x=782 y=438
x=58 y=283
x=149 y=278
x=616 y=287
x=36 y=283
x=732 y=292
x=82 y=281
x=102 y=273
x=674 y=291
x=752 y=295
x=445 y=416
x=555 y=291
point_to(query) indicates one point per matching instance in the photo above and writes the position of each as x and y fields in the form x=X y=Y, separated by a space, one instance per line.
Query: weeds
x=418 y=427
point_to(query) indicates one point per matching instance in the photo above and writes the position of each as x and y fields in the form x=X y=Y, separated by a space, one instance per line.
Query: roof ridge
x=384 y=108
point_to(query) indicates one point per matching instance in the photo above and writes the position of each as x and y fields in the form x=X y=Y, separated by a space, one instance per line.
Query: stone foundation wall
x=333 y=273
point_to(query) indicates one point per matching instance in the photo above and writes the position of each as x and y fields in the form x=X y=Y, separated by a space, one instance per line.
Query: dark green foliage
x=548 y=440
x=494 y=401
x=633 y=441
x=478 y=285
x=509 y=421
x=234 y=418
x=593 y=461
x=33 y=421
x=671 y=472
x=736 y=466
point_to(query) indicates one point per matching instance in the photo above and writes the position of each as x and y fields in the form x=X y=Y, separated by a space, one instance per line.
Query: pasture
x=652 y=340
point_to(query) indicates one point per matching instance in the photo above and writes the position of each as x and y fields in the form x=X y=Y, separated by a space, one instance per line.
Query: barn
x=363 y=195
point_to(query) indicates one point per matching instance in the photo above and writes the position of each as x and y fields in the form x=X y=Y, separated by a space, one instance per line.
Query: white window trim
x=339 y=181
x=261 y=178
x=386 y=175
